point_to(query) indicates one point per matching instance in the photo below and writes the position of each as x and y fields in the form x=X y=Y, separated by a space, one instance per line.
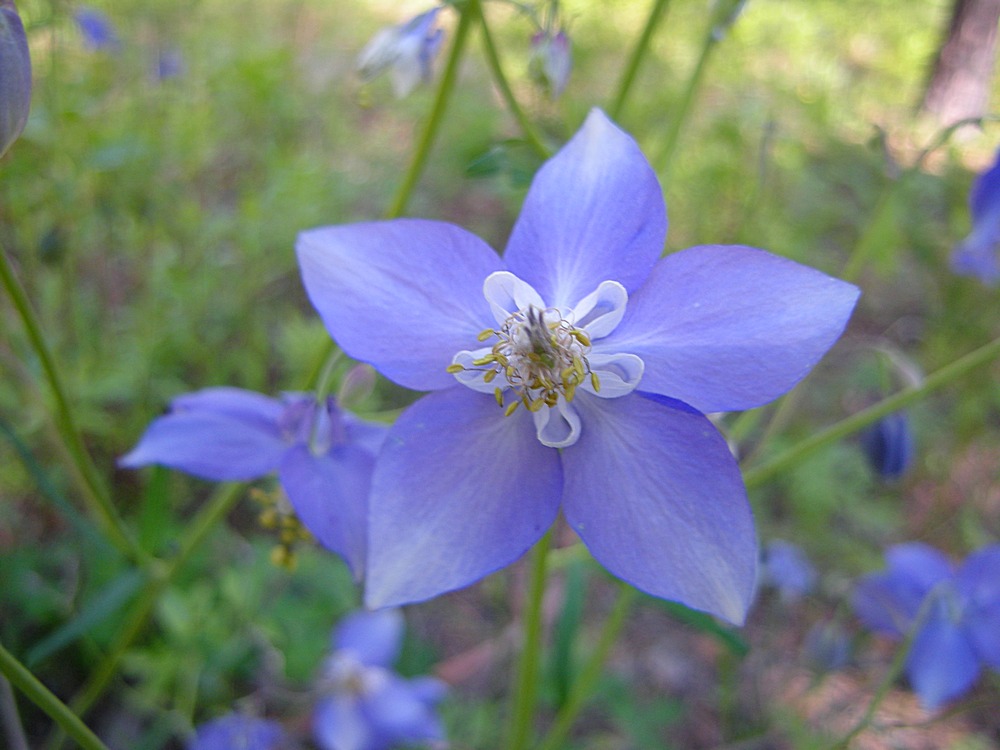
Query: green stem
x=523 y=709
x=981 y=356
x=219 y=505
x=583 y=688
x=42 y=697
x=531 y=133
x=94 y=491
x=398 y=205
x=638 y=52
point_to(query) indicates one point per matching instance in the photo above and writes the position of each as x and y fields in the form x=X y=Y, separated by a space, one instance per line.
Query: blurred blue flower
x=364 y=704
x=169 y=64
x=785 y=567
x=960 y=611
x=615 y=355
x=97 y=30
x=323 y=455
x=407 y=50
x=15 y=75
x=239 y=732
x=979 y=253
x=827 y=647
x=551 y=60
x=888 y=445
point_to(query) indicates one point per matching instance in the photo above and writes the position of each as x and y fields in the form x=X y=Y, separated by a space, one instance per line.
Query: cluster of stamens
x=276 y=515
x=541 y=355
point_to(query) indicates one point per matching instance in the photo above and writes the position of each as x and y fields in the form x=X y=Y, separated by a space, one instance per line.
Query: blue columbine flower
x=15 y=75
x=408 y=50
x=959 y=634
x=323 y=456
x=364 y=704
x=979 y=253
x=888 y=445
x=551 y=60
x=97 y=30
x=573 y=373
x=239 y=732
x=785 y=567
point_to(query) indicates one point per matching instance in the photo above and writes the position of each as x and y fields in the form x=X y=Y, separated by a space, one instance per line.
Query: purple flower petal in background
x=407 y=50
x=363 y=704
x=578 y=369
x=323 y=456
x=98 y=32
x=239 y=732
x=979 y=254
x=888 y=445
x=785 y=567
x=957 y=610
x=15 y=75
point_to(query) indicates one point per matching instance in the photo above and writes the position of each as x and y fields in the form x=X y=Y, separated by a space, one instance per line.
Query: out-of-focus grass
x=153 y=224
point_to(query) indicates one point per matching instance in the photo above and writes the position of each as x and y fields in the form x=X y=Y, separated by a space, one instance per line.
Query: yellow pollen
x=455 y=368
x=511 y=408
x=595 y=382
x=485 y=334
x=498 y=395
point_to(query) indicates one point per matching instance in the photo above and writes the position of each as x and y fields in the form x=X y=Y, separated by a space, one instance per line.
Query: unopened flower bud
x=551 y=61
x=15 y=75
x=888 y=445
x=357 y=385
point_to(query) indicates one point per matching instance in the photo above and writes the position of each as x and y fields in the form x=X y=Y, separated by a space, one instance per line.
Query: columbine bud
x=551 y=60
x=888 y=445
x=97 y=30
x=408 y=49
x=15 y=75
x=357 y=385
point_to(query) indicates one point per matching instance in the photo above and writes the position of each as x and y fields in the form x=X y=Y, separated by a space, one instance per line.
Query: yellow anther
x=454 y=369
x=567 y=376
x=269 y=518
x=511 y=408
x=485 y=334
x=580 y=336
x=595 y=381
x=578 y=366
x=551 y=398
x=488 y=377
x=484 y=360
x=283 y=557
x=537 y=404
x=570 y=391
x=498 y=395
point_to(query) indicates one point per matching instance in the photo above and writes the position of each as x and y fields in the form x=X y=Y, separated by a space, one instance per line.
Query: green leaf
x=566 y=628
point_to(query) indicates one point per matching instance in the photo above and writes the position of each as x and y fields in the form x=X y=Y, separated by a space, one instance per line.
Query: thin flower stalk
x=21 y=678
x=636 y=58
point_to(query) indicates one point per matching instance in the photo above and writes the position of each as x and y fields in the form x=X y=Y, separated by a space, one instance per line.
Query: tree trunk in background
x=959 y=85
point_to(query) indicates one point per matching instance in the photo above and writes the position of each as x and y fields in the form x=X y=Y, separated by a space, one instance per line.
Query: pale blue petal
x=978 y=582
x=339 y=725
x=247 y=406
x=375 y=638
x=209 y=445
x=887 y=602
x=942 y=664
x=984 y=197
x=402 y=295
x=655 y=494
x=726 y=328
x=399 y=715
x=239 y=732
x=330 y=496
x=365 y=434
x=920 y=563
x=459 y=491
x=594 y=213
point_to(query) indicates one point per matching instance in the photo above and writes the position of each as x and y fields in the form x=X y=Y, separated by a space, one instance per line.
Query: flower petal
x=459 y=491
x=728 y=327
x=594 y=212
x=375 y=638
x=402 y=295
x=339 y=725
x=657 y=497
x=942 y=664
x=557 y=426
x=247 y=406
x=329 y=493
x=617 y=374
x=399 y=715
x=978 y=581
x=209 y=445
x=507 y=294
x=602 y=310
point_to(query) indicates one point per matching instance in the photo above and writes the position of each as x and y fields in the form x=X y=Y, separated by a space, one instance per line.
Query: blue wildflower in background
x=979 y=254
x=239 y=732
x=785 y=567
x=551 y=60
x=959 y=633
x=15 y=75
x=97 y=30
x=364 y=705
x=323 y=456
x=888 y=445
x=169 y=64
x=407 y=51
x=574 y=373
x=827 y=647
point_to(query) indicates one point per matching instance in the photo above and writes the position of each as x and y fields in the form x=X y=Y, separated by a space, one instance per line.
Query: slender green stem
x=985 y=354
x=42 y=697
x=219 y=505
x=895 y=669
x=523 y=709
x=422 y=151
x=583 y=688
x=94 y=491
x=635 y=59
x=11 y=718
x=531 y=134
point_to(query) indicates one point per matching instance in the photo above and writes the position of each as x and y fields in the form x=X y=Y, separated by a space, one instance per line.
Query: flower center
x=542 y=355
